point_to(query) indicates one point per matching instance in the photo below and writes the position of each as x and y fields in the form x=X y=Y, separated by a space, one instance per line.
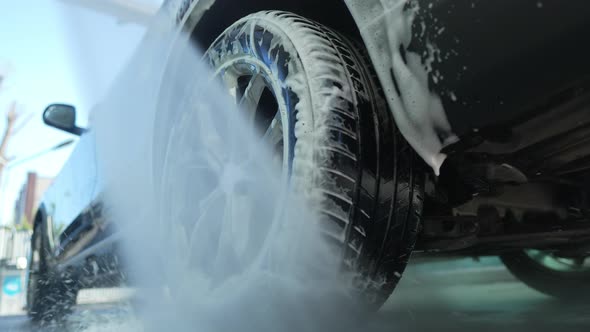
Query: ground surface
x=456 y=295
x=463 y=296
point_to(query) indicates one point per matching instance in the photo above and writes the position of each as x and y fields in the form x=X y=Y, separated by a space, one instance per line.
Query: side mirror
x=62 y=116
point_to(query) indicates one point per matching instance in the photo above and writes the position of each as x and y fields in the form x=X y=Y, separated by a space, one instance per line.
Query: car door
x=68 y=201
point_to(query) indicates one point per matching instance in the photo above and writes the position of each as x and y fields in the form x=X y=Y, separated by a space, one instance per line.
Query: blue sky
x=54 y=53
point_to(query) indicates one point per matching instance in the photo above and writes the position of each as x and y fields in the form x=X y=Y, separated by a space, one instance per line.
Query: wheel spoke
x=251 y=97
x=226 y=254
x=230 y=80
x=193 y=160
x=180 y=246
x=208 y=201
x=274 y=133
x=205 y=232
x=212 y=143
x=240 y=223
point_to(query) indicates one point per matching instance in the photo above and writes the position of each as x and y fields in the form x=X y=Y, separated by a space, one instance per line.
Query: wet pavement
x=86 y=318
x=465 y=296
x=457 y=295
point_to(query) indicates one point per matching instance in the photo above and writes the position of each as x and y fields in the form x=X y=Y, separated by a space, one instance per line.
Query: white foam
x=386 y=27
x=199 y=280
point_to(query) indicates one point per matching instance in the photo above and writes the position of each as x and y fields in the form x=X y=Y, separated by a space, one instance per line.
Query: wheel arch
x=428 y=131
x=207 y=19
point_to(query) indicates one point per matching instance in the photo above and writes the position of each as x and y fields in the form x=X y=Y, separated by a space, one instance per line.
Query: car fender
x=384 y=26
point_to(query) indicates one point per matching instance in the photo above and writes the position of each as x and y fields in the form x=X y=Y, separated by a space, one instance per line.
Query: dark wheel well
x=223 y=13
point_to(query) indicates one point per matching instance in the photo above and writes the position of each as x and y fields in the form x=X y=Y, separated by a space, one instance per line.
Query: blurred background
x=66 y=51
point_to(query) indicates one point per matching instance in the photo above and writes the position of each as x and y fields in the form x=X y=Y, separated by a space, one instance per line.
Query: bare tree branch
x=11 y=118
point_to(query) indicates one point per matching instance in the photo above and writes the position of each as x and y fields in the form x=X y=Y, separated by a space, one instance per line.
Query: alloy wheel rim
x=228 y=200
x=251 y=87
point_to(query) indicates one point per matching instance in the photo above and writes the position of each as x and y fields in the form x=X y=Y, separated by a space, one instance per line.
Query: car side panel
x=68 y=201
x=503 y=58
x=492 y=63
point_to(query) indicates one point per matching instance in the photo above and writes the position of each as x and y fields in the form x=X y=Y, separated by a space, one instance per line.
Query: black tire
x=364 y=178
x=365 y=174
x=50 y=296
x=565 y=285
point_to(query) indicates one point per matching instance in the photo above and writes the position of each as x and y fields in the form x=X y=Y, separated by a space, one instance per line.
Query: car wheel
x=313 y=99
x=561 y=277
x=50 y=297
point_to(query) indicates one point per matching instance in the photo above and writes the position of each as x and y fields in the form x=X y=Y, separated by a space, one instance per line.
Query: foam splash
x=215 y=239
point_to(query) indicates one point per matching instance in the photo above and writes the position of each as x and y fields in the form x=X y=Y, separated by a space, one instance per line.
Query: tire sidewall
x=278 y=64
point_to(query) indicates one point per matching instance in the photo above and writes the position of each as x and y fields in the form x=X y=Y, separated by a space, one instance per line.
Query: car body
x=505 y=134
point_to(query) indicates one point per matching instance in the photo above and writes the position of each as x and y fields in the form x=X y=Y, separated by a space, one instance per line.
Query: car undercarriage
x=521 y=188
